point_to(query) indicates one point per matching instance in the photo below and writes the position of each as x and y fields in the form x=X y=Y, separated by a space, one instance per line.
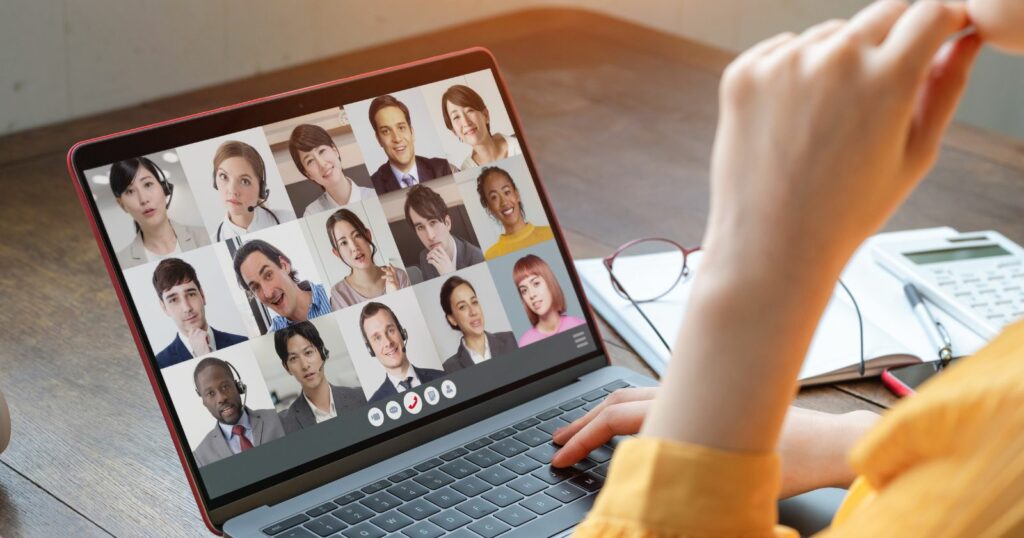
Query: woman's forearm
x=734 y=366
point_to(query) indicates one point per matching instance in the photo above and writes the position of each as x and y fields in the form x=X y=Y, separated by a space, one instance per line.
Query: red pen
x=895 y=386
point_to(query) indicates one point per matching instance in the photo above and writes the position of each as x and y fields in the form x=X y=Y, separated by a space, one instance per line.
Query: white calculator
x=977 y=277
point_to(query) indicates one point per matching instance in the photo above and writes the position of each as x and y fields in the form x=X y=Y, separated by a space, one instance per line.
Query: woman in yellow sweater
x=820 y=137
x=500 y=197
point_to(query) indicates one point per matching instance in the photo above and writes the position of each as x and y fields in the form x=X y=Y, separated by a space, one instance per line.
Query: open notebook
x=892 y=335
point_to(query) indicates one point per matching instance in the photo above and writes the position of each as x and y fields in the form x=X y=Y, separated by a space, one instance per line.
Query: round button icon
x=448 y=389
x=376 y=417
x=393 y=409
x=431 y=395
x=413 y=402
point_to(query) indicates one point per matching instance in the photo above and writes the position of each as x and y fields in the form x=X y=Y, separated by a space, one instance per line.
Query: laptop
x=356 y=307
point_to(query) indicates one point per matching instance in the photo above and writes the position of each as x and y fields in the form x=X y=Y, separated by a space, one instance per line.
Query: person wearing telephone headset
x=303 y=355
x=240 y=176
x=142 y=190
x=352 y=243
x=238 y=428
x=386 y=340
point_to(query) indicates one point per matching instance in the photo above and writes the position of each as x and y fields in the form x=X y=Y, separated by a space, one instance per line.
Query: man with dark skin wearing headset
x=238 y=428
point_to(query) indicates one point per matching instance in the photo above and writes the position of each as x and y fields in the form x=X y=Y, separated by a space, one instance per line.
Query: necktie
x=407 y=384
x=408 y=180
x=243 y=441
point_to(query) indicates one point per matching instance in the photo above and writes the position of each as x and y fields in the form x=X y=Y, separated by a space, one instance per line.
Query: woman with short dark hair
x=142 y=190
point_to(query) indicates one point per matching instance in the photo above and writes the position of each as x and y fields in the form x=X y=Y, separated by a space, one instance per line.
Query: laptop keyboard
x=487 y=487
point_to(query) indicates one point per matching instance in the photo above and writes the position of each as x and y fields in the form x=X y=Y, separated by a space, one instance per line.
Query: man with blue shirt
x=267 y=275
x=182 y=300
x=238 y=428
x=390 y=120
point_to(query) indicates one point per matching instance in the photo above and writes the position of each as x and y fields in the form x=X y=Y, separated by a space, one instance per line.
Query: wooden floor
x=621 y=121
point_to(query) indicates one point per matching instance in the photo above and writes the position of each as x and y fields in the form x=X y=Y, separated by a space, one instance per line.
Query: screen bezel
x=175 y=133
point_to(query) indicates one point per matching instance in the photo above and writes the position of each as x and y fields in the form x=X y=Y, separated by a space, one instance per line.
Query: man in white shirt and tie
x=386 y=340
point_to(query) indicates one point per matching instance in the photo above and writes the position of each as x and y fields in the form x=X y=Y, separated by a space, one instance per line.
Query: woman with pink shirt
x=542 y=299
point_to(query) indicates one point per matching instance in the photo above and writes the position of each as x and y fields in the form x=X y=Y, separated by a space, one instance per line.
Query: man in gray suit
x=463 y=312
x=303 y=354
x=238 y=428
x=442 y=252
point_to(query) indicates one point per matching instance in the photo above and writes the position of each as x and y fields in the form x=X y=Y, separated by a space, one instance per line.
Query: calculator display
x=956 y=254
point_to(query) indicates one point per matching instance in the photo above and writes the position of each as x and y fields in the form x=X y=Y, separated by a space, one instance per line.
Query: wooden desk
x=621 y=120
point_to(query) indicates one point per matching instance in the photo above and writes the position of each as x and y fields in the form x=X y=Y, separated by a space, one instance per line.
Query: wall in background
x=994 y=99
x=63 y=59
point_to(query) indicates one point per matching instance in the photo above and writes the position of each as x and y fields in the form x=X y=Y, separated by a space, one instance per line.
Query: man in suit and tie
x=463 y=312
x=386 y=339
x=443 y=252
x=390 y=120
x=238 y=428
x=182 y=300
x=303 y=354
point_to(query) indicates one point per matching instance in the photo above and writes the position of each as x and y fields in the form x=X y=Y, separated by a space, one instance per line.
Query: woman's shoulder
x=267 y=217
x=365 y=192
x=513 y=145
x=542 y=233
x=403 y=277
x=497 y=249
x=320 y=203
x=132 y=254
x=342 y=295
x=530 y=336
x=190 y=236
x=569 y=322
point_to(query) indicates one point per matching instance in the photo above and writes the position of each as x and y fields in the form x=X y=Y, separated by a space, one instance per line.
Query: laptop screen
x=319 y=280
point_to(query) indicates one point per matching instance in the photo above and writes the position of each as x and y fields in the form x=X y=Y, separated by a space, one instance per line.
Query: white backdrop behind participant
x=196 y=420
x=426 y=142
x=197 y=161
x=220 y=309
x=487 y=227
x=338 y=368
x=291 y=239
x=119 y=225
x=482 y=82
x=372 y=215
x=446 y=338
x=420 y=348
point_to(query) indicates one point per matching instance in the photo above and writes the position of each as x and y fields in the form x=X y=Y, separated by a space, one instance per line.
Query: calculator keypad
x=995 y=293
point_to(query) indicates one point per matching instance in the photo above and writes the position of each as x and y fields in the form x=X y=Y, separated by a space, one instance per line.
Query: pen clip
x=946 y=351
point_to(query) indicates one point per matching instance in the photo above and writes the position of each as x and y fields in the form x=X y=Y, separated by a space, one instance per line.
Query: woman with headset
x=303 y=355
x=240 y=176
x=143 y=192
x=352 y=243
